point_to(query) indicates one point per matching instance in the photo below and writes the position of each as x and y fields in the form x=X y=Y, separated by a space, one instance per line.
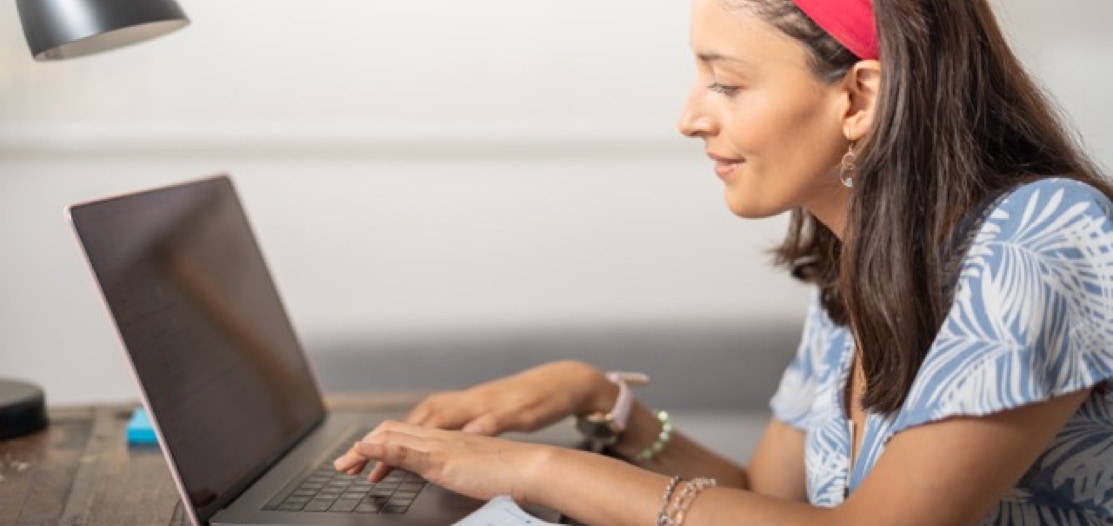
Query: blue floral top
x=1032 y=319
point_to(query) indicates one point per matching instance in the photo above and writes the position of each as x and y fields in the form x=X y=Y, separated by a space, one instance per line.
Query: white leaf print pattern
x=796 y=395
x=826 y=449
x=1070 y=459
x=1032 y=318
x=1030 y=291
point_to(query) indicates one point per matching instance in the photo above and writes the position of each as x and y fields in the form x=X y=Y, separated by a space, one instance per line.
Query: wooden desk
x=80 y=470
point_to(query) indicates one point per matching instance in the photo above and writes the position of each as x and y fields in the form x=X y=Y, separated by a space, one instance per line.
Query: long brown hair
x=957 y=120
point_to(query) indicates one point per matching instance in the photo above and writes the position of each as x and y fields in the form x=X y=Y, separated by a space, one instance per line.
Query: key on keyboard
x=325 y=489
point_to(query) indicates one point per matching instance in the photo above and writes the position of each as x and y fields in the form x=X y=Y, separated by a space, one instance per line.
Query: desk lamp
x=60 y=29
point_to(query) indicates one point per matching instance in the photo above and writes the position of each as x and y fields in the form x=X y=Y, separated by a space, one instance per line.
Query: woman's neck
x=832 y=210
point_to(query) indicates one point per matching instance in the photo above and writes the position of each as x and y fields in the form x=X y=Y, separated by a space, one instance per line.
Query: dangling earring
x=846 y=167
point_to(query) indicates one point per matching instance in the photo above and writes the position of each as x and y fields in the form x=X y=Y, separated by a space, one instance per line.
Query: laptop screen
x=212 y=347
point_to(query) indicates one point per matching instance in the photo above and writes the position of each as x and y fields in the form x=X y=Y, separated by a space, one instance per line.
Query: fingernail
x=473 y=427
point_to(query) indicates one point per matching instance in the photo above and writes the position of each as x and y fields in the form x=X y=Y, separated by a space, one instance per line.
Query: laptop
x=237 y=410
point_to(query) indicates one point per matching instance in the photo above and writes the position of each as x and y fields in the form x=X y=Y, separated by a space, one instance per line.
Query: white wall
x=417 y=166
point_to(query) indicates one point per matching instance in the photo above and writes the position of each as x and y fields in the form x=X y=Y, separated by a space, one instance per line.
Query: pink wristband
x=620 y=413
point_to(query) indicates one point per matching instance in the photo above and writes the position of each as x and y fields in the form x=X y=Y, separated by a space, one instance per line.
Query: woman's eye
x=723 y=90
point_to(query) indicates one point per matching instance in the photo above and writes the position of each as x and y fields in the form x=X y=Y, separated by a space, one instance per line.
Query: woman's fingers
x=354 y=460
x=474 y=465
x=487 y=425
x=526 y=401
x=428 y=408
x=392 y=444
x=450 y=410
x=350 y=462
x=379 y=472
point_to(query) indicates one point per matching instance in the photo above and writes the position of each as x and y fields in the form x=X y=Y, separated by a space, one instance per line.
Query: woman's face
x=772 y=127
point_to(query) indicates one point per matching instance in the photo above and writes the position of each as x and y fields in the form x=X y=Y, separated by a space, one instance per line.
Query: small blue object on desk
x=140 y=431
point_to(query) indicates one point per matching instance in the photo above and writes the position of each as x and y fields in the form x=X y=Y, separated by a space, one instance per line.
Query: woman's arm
x=612 y=493
x=941 y=474
x=683 y=456
x=540 y=396
x=776 y=467
x=956 y=470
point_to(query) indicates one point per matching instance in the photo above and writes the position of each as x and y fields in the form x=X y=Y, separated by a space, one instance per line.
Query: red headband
x=850 y=22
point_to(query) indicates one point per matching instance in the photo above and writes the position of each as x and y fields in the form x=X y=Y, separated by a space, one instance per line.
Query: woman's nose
x=694 y=122
x=695 y=126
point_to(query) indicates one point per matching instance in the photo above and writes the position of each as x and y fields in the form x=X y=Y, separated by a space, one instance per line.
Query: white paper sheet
x=502 y=511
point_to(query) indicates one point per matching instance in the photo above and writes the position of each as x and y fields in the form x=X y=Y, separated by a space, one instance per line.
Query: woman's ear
x=862 y=84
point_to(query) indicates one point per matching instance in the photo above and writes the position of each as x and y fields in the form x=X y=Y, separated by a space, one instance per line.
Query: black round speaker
x=22 y=408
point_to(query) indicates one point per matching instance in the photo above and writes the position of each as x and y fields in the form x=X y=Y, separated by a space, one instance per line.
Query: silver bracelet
x=654 y=449
x=663 y=515
x=675 y=515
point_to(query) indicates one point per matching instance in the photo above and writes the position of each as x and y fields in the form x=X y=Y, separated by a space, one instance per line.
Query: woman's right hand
x=526 y=401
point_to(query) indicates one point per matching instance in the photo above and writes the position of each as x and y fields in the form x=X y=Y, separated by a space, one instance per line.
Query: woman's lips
x=724 y=169
x=724 y=166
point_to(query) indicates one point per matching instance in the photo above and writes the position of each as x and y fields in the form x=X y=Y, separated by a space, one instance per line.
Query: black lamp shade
x=58 y=29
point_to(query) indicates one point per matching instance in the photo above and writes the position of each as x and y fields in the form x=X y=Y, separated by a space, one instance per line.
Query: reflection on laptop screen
x=212 y=346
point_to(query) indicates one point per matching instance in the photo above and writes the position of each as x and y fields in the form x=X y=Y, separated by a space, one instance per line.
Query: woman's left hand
x=478 y=466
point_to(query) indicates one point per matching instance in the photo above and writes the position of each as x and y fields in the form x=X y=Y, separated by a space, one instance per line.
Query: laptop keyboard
x=323 y=489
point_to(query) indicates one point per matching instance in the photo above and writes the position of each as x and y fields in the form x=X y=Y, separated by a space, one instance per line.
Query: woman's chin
x=751 y=209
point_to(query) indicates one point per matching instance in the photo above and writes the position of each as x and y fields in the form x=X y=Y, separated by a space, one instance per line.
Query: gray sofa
x=715 y=378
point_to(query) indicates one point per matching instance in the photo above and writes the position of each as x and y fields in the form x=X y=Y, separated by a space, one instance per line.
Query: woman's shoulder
x=1061 y=192
x=1069 y=210
x=1031 y=309
x=1046 y=231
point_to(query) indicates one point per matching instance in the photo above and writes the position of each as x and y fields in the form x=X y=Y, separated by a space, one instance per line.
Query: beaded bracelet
x=674 y=515
x=663 y=516
x=663 y=437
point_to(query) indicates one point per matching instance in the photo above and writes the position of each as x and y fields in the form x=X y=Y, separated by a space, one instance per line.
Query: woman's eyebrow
x=711 y=56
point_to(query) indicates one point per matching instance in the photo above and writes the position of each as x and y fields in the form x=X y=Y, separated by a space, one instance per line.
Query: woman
x=956 y=359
